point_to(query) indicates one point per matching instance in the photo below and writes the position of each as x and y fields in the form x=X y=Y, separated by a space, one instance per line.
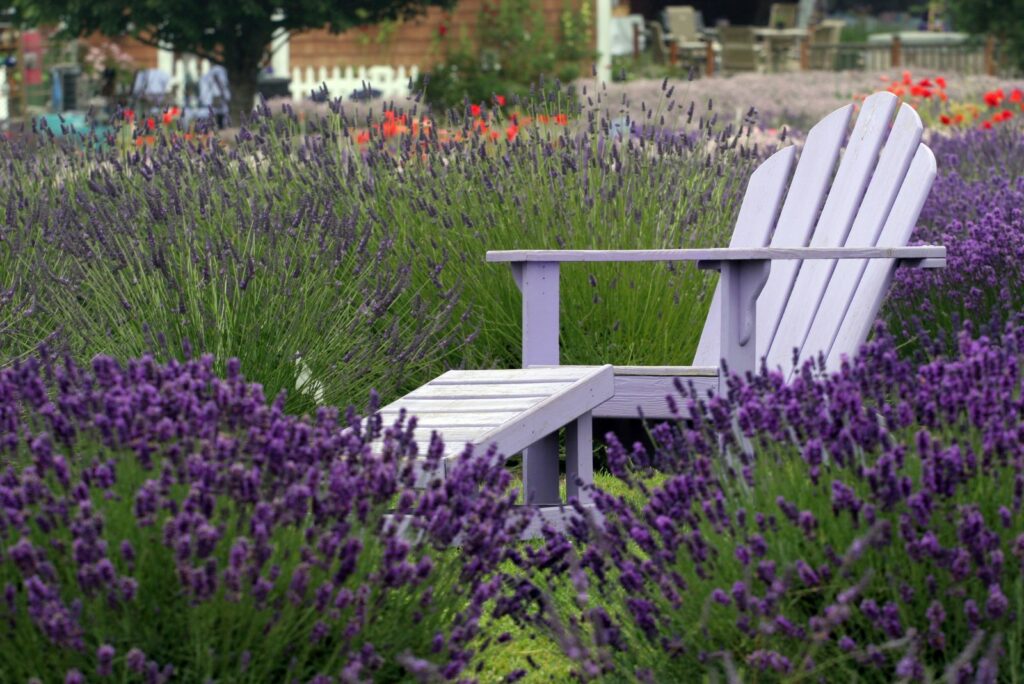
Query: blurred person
x=214 y=93
x=150 y=88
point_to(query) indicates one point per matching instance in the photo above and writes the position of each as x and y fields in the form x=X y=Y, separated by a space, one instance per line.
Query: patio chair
x=659 y=54
x=783 y=15
x=811 y=257
x=825 y=44
x=740 y=50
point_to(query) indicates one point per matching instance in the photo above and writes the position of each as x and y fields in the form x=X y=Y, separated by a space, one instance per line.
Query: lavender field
x=190 y=332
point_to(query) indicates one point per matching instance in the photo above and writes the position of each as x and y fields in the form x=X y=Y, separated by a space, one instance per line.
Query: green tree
x=234 y=33
x=1003 y=19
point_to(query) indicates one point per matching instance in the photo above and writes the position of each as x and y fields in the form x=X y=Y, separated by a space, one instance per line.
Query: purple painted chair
x=811 y=258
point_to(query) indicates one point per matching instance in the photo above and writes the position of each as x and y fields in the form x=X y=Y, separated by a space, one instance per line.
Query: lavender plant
x=160 y=523
x=975 y=210
x=860 y=526
x=228 y=251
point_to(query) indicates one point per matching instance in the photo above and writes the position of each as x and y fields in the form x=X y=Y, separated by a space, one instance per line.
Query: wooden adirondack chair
x=809 y=262
x=806 y=269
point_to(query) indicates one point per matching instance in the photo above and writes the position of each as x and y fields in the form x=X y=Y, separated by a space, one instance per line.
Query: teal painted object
x=73 y=122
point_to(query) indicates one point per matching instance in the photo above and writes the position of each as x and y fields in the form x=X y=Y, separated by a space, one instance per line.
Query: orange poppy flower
x=363 y=137
x=561 y=119
x=511 y=132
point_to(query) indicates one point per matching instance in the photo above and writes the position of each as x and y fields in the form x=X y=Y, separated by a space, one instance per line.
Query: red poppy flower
x=511 y=132
x=150 y=124
x=363 y=137
x=987 y=125
x=442 y=30
x=945 y=119
x=500 y=99
x=907 y=80
x=167 y=118
x=941 y=82
x=1006 y=115
x=129 y=114
x=561 y=119
x=494 y=135
x=994 y=97
x=1016 y=95
x=474 y=110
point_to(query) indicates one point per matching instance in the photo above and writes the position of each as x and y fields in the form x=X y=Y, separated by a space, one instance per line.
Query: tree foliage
x=1003 y=19
x=236 y=34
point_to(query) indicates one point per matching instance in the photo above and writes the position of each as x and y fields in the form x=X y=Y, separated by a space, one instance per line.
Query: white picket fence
x=392 y=82
x=5 y=111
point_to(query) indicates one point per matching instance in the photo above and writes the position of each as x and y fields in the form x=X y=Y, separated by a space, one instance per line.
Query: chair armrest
x=925 y=256
x=744 y=273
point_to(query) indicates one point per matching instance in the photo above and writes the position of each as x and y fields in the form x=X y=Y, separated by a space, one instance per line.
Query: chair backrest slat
x=863 y=309
x=889 y=177
x=754 y=225
x=811 y=180
x=844 y=199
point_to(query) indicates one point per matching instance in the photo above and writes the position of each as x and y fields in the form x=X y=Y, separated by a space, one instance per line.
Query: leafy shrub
x=861 y=526
x=512 y=49
x=160 y=523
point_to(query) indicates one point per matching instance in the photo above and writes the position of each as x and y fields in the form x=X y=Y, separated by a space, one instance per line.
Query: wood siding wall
x=415 y=42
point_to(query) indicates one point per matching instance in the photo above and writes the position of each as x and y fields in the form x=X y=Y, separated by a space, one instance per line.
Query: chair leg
x=579 y=458
x=540 y=472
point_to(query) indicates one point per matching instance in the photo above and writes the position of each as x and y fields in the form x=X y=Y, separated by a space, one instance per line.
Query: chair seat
x=512 y=408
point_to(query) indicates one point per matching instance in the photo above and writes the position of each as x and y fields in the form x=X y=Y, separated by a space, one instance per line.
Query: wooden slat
x=874 y=210
x=495 y=390
x=754 y=226
x=863 y=309
x=450 y=419
x=715 y=254
x=803 y=202
x=554 y=412
x=551 y=374
x=429 y=407
x=633 y=393
x=674 y=371
x=859 y=161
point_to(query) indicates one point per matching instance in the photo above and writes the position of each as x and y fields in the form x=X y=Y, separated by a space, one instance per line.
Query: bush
x=862 y=526
x=511 y=50
x=160 y=523
x=974 y=209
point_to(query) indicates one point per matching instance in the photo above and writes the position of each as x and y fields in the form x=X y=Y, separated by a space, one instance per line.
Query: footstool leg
x=579 y=457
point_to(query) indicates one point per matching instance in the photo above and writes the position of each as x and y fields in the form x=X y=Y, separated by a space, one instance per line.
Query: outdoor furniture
x=783 y=15
x=740 y=51
x=151 y=89
x=622 y=34
x=659 y=53
x=806 y=269
x=824 y=39
x=781 y=46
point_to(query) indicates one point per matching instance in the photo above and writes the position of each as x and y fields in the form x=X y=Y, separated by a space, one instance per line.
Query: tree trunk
x=243 y=72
